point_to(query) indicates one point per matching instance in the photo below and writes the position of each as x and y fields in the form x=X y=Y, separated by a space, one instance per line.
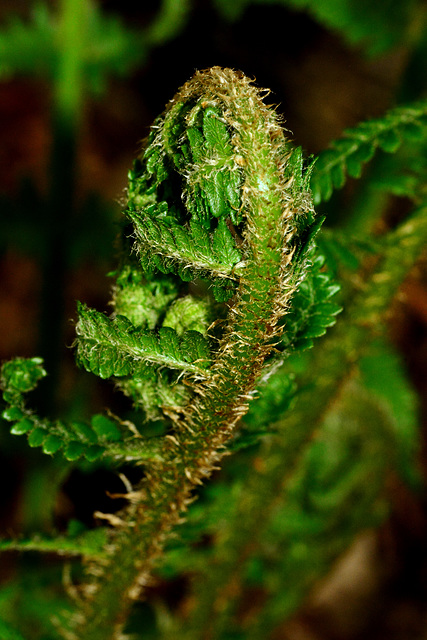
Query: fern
x=207 y=136
x=102 y=437
x=116 y=348
x=348 y=154
x=219 y=301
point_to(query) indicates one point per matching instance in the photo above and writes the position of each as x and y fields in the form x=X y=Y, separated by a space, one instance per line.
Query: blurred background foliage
x=80 y=83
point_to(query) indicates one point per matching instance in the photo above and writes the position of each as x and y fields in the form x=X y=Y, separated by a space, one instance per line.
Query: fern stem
x=68 y=97
x=69 y=81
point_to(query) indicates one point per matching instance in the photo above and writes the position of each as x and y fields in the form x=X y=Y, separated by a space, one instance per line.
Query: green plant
x=222 y=336
x=221 y=290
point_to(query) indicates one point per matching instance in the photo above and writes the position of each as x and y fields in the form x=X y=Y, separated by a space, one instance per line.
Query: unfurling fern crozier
x=222 y=226
x=222 y=232
x=219 y=205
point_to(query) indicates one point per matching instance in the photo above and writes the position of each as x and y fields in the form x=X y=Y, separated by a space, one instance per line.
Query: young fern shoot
x=222 y=224
x=223 y=227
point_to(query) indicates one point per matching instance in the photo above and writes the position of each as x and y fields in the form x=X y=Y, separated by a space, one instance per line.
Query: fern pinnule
x=115 y=347
x=348 y=154
x=101 y=437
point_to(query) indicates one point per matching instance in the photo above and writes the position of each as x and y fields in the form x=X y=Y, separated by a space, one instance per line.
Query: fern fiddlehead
x=223 y=225
x=223 y=282
x=223 y=228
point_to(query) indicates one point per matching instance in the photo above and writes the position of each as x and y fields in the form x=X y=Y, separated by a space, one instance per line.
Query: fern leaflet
x=102 y=437
x=348 y=154
x=115 y=347
x=193 y=250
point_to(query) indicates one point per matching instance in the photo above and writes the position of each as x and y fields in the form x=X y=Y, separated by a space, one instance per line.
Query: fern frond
x=102 y=437
x=114 y=347
x=348 y=154
x=312 y=309
x=147 y=364
x=90 y=544
x=157 y=388
x=403 y=174
x=192 y=252
x=343 y=251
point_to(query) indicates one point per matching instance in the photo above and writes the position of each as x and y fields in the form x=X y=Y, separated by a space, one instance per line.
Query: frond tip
x=101 y=437
x=348 y=154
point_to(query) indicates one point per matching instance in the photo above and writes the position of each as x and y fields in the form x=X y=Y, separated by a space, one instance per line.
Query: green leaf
x=21 y=375
x=195 y=347
x=389 y=141
x=74 y=450
x=12 y=414
x=103 y=438
x=224 y=245
x=84 y=432
x=36 y=437
x=23 y=426
x=168 y=246
x=105 y=428
x=358 y=145
x=94 y=452
x=52 y=444
x=311 y=311
x=109 y=347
